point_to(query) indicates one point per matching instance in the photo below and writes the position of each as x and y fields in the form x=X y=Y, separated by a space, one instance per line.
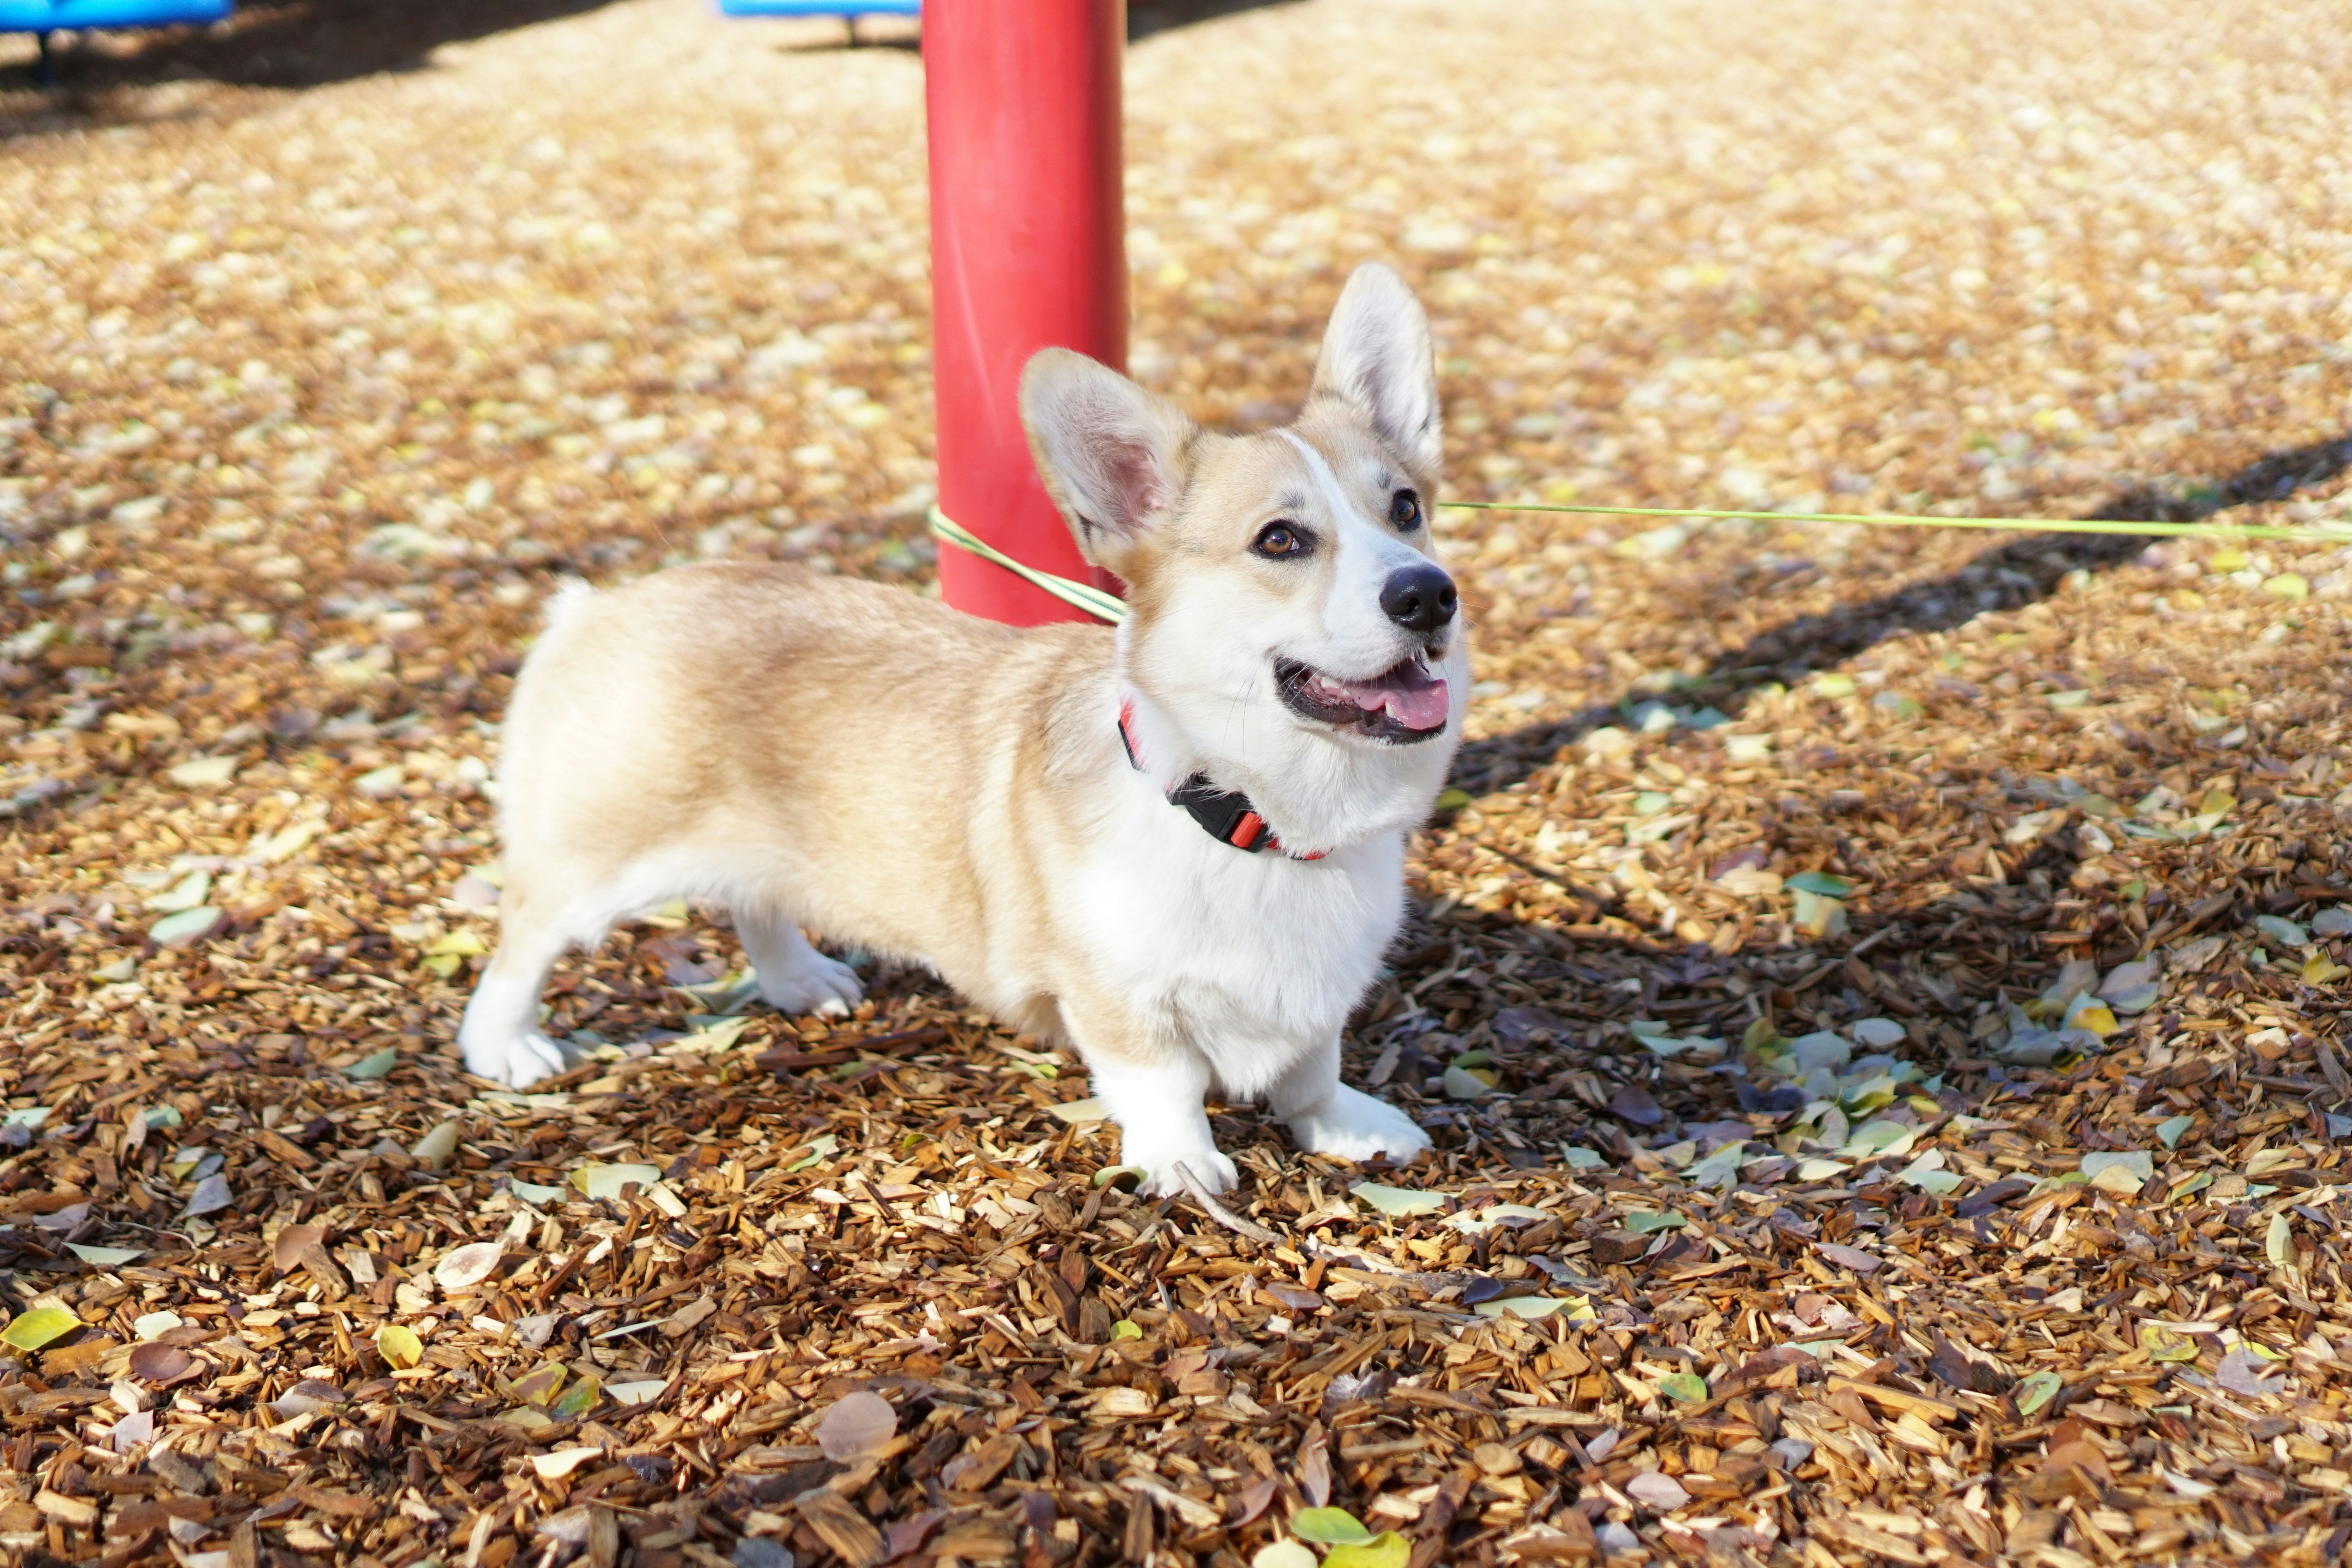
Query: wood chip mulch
x=1879 y=998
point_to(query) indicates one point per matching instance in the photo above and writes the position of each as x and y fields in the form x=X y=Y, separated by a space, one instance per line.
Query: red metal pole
x=1028 y=251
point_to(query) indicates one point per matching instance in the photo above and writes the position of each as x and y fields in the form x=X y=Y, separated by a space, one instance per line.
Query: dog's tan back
x=783 y=727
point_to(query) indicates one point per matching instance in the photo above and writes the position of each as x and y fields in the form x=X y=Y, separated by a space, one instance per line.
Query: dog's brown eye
x=1404 y=509
x=1277 y=540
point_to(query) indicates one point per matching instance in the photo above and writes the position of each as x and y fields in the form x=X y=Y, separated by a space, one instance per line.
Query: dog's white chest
x=1246 y=958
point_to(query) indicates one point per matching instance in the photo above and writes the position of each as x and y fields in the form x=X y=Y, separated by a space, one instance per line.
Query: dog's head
x=1283 y=601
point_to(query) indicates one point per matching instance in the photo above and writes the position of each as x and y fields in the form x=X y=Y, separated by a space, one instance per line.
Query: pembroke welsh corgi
x=1177 y=847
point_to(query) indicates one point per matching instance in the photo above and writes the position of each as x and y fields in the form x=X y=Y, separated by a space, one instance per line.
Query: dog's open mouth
x=1405 y=703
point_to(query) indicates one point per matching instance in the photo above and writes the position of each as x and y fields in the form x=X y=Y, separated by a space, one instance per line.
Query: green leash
x=1108 y=608
x=1093 y=601
x=1895 y=520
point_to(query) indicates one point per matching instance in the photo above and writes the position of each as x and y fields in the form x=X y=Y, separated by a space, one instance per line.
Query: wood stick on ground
x=1219 y=1213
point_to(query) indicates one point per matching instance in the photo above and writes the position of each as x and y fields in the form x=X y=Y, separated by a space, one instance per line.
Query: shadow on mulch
x=1999 y=927
x=1167 y=15
x=2006 y=577
x=300 y=44
x=295 y=44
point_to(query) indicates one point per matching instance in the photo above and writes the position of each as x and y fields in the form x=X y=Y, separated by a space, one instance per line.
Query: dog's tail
x=565 y=606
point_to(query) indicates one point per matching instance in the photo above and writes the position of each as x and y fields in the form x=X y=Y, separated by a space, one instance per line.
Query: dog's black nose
x=1420 y=598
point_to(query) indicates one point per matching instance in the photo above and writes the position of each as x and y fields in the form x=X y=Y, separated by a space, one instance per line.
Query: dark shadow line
x=860 y=46
x=2006 y=577
x=295 y=44
x=1167 y=15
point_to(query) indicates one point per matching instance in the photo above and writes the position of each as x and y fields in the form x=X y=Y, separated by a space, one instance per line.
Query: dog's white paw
x=817 y=985
x=516 y=1061
x=1352 y=1125
x=1161 y=1179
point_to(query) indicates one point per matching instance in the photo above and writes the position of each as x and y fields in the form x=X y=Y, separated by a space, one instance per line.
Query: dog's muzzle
x=1403 y=704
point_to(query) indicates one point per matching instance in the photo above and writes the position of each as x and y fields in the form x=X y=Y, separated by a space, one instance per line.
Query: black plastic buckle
x=1229 y=817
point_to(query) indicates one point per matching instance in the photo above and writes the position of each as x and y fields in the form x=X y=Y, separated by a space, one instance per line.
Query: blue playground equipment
x=43 y=17
x=847 y=10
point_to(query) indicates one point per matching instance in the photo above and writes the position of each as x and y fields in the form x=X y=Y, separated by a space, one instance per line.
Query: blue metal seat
x=820 y=7
x=847 y=10
x=57 y=16
x=43 y=17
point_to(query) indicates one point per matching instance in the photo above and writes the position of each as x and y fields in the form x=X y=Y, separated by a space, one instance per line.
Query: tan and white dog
x=1178 y=847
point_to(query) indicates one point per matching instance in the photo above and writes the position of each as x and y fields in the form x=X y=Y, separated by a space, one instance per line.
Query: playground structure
x=847 y=10
x=46 y=19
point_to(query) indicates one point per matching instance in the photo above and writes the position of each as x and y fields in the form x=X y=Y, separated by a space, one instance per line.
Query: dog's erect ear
x=1110 y=453
x=1376 y=355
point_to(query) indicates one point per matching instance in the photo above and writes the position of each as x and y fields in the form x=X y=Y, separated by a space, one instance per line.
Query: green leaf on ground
x=1574 y=1309
x=1465 y=1083
x=582 y=1396
x=31 y=1330
x=603 y=1183
x=104 y=1256
x=1386 y=1550
x=1329 y=1526
x=819 y=1148
x=1687 y=1387
x=1398 y=1202
x=2035 y=1391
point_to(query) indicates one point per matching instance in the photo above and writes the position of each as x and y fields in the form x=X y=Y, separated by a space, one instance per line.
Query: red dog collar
x=1226 y=815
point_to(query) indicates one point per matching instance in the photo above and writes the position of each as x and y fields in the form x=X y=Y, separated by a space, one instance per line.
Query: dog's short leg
x=1326 y=1116
x=1161 y=1119
x=793 y=976
x=500 y=1035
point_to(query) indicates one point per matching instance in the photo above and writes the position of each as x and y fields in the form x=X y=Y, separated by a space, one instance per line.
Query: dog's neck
x=1225 y=815
x=1156 y=744
x=1319 y=796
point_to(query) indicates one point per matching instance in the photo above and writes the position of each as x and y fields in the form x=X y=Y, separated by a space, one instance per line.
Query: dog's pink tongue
x=1417 y=707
